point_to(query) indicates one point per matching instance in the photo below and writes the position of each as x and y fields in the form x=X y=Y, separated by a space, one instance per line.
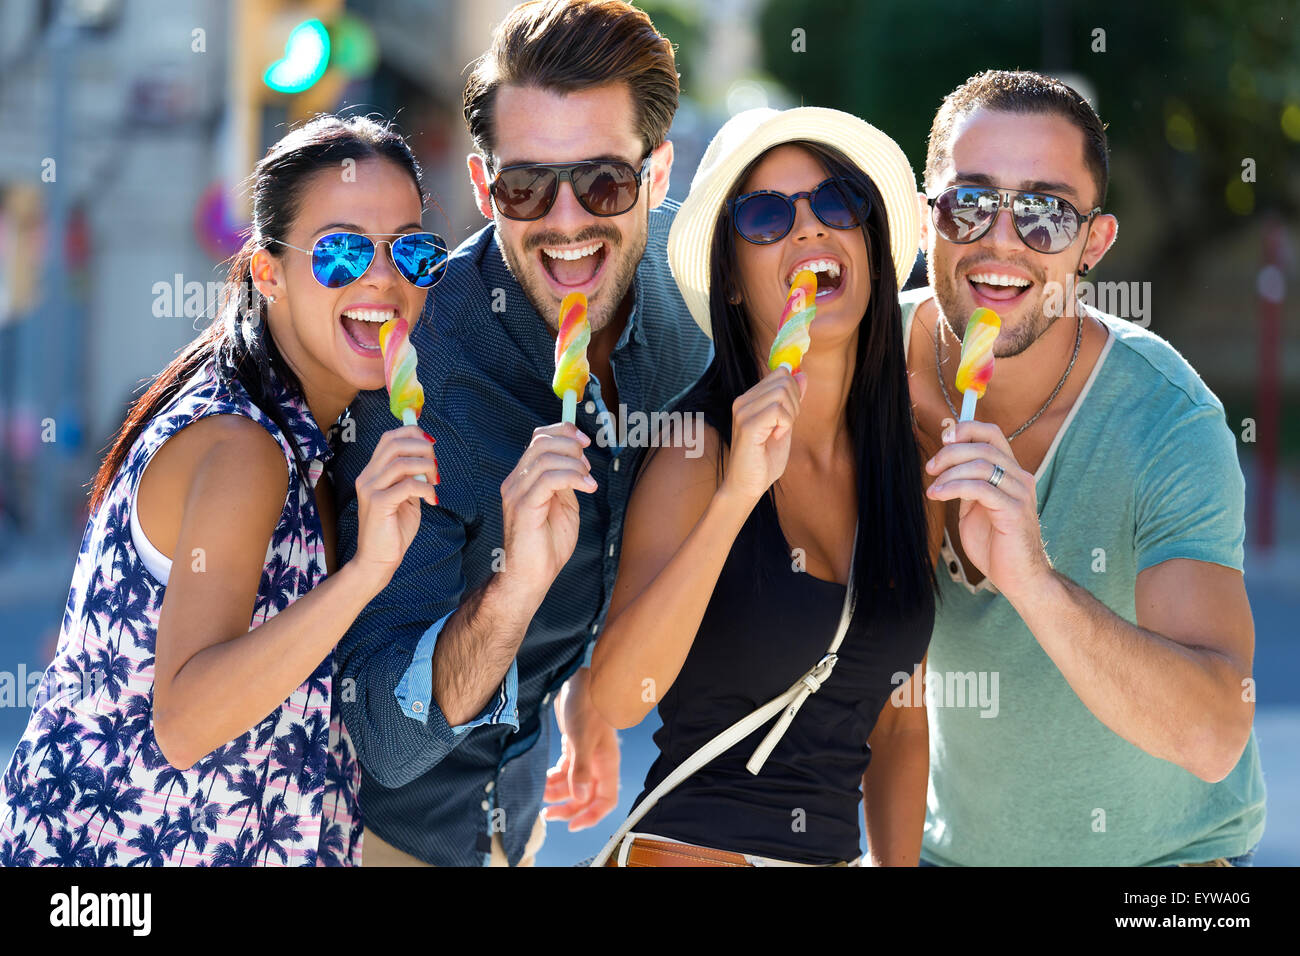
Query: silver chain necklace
x=938 y=365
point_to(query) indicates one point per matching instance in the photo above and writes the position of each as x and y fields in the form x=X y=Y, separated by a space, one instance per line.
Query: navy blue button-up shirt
x=485 y=359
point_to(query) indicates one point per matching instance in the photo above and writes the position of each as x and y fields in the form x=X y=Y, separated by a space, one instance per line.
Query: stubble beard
x=1012 y=341
x=626 y=253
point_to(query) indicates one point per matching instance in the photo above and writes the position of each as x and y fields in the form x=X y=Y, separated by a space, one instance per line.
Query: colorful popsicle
x=792 y=339
x=571 y=368
x=405 y=394
x=976 y=366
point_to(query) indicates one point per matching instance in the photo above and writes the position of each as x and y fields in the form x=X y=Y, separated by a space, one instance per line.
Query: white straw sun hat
x=744 y=138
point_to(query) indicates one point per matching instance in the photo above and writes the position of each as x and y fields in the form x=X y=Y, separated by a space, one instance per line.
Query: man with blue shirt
x=1092 y=559
x=491 y=616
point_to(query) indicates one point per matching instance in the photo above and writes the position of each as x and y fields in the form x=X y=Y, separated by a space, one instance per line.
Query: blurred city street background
x=126 y=127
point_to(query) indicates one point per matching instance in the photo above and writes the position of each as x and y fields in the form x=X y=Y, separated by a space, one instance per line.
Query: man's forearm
x=476 y=647
x=1177 y=702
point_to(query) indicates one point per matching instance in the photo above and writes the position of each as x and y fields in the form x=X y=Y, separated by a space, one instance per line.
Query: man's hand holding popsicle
x=998 y=515
x=538 y=498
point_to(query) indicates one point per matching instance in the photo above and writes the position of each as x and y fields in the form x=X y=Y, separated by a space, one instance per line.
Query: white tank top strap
x=154 y=561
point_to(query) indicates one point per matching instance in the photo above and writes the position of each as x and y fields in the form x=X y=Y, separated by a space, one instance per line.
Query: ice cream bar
x=792 y=339
x=976 y=366
x=571 y=368
x=405 y=394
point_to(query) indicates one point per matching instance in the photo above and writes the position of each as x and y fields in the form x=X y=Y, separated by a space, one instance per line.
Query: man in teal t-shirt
x=1089 y=679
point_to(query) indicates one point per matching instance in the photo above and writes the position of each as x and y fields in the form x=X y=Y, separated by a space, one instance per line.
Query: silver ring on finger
x=995 y=479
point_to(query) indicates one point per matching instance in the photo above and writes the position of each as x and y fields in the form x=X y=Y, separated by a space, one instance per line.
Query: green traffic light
x=306 y=55
x=353 y=48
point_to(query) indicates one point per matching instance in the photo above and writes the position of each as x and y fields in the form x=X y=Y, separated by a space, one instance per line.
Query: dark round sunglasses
x=1045 y=223
x=768 y=216
x=604 y=187
x=341 y=258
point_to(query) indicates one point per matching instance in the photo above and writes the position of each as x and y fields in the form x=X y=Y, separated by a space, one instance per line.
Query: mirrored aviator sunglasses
x=767 y=216
x=341 y=258
x=1045 y=223
x=604 y=187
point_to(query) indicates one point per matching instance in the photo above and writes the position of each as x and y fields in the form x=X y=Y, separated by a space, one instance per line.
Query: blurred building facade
x=128 y=126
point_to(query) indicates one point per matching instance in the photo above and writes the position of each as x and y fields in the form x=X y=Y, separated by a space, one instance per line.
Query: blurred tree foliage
x=679 y=21
x=1189 y=90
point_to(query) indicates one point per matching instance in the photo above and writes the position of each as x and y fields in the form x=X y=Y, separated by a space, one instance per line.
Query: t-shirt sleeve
x=1191 y=498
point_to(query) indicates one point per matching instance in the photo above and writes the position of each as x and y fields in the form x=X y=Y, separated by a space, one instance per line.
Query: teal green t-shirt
x=1144 y=470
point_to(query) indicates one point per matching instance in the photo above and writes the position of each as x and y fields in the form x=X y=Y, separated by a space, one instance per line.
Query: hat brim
x=690 y=241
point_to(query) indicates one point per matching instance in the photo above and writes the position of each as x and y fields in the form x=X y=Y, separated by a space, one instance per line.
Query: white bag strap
x=788 y=702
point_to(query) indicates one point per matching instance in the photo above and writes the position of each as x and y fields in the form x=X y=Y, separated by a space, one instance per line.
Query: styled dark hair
x=1019 y=91
x=571 y=45
x=239 y=340
x=892 y=555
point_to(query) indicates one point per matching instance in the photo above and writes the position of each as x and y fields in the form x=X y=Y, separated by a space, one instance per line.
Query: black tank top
x=765 y=625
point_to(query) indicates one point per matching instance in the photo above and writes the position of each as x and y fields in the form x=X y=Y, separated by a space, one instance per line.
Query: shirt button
x=490 y=785
x=611 y=550
x=593 y=628
x=616 y=464
x=485 y=805
x=417 y=706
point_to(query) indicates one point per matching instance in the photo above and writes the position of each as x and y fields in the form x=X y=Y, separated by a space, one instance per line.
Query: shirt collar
x=305 y=433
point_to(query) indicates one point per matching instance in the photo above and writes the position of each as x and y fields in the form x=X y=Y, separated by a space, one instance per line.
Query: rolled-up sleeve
x=414 y=691
x=384 y=662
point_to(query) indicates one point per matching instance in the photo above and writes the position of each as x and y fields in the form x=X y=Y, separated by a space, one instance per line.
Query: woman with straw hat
x=782 y=580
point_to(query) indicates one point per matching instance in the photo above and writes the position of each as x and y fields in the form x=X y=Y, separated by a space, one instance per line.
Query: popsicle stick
x=408 y=418
x=570 y=412
x=968 y=405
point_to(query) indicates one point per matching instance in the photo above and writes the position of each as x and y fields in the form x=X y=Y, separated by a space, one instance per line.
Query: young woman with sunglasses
x=188 y=716
x=736 y=565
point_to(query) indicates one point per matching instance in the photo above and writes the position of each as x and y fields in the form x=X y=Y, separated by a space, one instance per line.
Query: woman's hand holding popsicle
x=762 y=424
x=401 y=472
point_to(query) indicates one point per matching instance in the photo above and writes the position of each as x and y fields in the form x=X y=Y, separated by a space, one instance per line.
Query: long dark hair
x=239 y=340
x=892 y=555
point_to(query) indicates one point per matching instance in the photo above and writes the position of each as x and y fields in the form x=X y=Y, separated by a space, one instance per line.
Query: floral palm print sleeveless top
x=88 y=786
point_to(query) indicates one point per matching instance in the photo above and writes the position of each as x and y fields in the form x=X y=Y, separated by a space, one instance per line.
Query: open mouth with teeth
x=998 y=287
x=573 y=268
x=361 y=328
x=829 y=272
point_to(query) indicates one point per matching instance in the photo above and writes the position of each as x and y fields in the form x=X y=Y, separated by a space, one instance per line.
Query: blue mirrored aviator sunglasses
x=340 y=258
